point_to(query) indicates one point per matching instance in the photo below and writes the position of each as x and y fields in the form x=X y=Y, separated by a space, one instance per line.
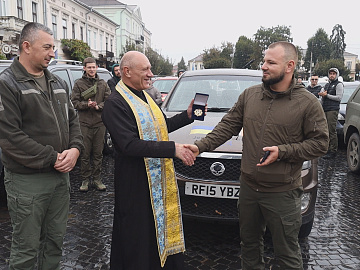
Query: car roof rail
x=6 y=61
x=66 y=61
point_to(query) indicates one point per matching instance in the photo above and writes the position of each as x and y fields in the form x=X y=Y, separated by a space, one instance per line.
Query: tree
x=218 y=57
x=337 y=40
x=319 y=48
x=76 y=49
x=265 y=36
x=244 y=52
x=130 y=46
x=181 y=64
x=159 y=65
x=227 y=50
x=323 y=67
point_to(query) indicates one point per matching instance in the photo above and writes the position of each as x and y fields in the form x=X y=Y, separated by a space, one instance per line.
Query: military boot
x=99 y=185
x=84 y=186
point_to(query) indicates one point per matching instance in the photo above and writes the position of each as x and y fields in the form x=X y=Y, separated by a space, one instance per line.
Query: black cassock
x=134 y=245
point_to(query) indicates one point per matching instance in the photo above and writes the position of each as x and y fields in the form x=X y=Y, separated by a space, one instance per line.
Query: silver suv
x=210 y=188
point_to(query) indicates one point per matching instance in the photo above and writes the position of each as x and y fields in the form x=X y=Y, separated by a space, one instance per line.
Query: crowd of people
x=43 y=131
x=330 y=97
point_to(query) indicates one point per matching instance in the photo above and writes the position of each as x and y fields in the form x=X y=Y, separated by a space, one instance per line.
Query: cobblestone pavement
x=334 y=242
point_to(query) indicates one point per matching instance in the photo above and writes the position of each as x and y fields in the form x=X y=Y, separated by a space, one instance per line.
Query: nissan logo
x=217 y=168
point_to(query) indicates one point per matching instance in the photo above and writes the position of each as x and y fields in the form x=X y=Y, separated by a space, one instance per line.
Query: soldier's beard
x=274 y=80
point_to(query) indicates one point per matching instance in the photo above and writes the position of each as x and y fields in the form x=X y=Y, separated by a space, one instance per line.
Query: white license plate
x=214 y=191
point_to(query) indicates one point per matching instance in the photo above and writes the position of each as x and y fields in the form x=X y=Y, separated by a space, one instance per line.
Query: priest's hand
x=193 y=148
x=189 y=109
x=185 y=154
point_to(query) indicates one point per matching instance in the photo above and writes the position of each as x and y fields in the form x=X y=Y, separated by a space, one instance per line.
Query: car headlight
x=305 y=200
x=341 y=117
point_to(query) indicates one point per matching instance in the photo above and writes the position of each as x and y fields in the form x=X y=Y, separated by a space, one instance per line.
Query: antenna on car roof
x=248 y=63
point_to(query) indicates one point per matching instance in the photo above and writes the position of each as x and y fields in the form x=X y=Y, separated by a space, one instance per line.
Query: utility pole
x=311 y=58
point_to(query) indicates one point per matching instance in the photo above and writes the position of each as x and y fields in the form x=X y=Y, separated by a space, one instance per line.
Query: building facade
x=196 y=63
x=350 y=61
x=131 y=28
x=68 y=19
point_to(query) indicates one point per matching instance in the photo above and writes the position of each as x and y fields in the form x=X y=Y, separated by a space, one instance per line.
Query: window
x=34 y=11
x=54 y=25
x=20 y=9
x=348 y=65
x=94 y=40
x=73 y=34
x=89 y=38
x=106 y=43
x=64 y=26
x=101 y=42
x=81 y=33
x=111 y=45
x=63 y=75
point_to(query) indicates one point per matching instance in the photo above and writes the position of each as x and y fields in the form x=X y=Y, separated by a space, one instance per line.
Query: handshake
x=187 y=153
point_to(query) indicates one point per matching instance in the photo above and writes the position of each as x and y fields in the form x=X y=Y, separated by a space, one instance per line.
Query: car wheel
x=305 y=229
x=353 y=153
x=108 y=146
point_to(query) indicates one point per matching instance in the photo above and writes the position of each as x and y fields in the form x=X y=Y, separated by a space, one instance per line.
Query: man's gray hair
x=30 y=32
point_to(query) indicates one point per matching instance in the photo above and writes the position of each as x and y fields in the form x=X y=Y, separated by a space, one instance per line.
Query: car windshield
x=164 y=86
x=223 y=91
x=348 y=90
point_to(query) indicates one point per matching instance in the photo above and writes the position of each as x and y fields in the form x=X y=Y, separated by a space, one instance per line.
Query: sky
x=185 y=28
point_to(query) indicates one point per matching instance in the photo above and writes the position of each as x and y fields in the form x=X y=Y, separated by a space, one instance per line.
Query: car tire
x=108 y=145
x=306 y=228
x=353 y=153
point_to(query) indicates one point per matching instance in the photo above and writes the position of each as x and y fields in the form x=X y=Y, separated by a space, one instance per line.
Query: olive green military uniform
x=92 y=127
x=37 y=121
x=293 y=121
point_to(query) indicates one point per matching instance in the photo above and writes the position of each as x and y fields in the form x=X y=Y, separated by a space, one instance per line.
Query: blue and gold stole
x=163 y=188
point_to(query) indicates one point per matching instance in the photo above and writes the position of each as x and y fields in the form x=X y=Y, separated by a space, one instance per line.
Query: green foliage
x=323 y=67
x=265 y=36
x=217 y=63
x=227 y=49
x=76 y=49
x=131 y=46
x=2 y=56
x=320 y=47
x=337 y=40
x=244 y=52
x=218 y=57
x=181 y=64
x=159 y=65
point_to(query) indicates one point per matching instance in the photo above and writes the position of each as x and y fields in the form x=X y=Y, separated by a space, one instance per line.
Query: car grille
x=209 y=208
x=201 y=169
x=205 y=207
